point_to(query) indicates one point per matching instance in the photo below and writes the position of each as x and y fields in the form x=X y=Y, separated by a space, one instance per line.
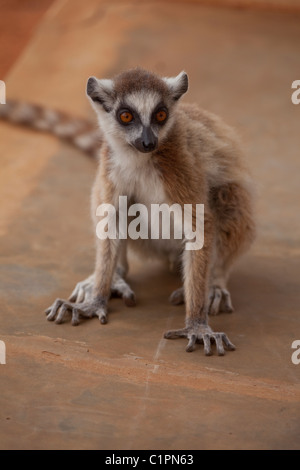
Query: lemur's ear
x=100 y=92
x=178 y=85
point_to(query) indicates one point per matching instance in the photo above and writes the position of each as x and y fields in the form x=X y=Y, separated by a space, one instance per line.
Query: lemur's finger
x=219 y=344
x=228 y=344
x=81 y=295
x=226 y=302
x=75 y=316
x=74 y=295
x=61 y=314
x=101 y=313
x=172 y=334
x=191 y=344
x=207 y=345
x=216 y=300
x=103 y=318
x=129 y=299
x=54 y=308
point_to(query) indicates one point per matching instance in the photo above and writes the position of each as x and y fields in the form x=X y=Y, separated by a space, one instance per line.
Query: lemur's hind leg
x=235 y=231
x=120 y=288
x=177 y=296
x=219 y=295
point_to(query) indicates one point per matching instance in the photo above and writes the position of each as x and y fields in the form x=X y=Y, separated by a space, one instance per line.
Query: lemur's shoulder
x=219 y=150
x=208 y=120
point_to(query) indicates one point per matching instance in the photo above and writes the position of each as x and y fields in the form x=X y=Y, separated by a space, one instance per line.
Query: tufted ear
x=100 y=92
x=177 y=85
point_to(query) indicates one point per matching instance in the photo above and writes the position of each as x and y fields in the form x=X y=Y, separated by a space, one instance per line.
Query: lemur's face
x=137 y=106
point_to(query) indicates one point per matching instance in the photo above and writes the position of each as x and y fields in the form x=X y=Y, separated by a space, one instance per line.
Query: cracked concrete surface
x=122 y=385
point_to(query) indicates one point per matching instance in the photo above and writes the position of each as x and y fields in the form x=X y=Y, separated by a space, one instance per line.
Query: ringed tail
x=81 y=133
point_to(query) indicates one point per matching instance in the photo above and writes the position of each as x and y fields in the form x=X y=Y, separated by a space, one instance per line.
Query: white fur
x=144 y=103
x=136 y=177
x=174 y=82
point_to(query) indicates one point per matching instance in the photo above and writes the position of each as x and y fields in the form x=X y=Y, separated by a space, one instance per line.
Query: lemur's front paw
x=60 y=309
x=219 y=300
x=119 y=288
x=203 y=334
x=83 y=290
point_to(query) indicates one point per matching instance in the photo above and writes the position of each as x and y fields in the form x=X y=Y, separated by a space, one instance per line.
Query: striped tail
x=81 y=133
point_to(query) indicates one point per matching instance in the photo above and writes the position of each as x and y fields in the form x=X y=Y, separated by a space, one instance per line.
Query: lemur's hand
x=119 y=288
x=60 y=309
x=203 y=334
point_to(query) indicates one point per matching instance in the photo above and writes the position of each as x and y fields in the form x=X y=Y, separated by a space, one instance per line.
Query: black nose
x=148 y=146
x=147 y=142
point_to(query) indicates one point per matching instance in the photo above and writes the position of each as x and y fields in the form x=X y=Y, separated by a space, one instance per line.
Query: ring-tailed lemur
x=154 y=149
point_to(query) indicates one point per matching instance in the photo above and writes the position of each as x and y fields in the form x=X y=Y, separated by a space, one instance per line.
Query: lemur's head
x=137 y=106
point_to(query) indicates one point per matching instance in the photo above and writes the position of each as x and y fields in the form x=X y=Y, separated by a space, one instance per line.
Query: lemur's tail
x=79 y=132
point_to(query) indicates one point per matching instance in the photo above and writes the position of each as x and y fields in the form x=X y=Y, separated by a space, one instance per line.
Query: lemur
x=155 y=149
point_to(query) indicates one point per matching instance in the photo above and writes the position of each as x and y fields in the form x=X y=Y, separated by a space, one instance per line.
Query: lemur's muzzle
x=147 y=142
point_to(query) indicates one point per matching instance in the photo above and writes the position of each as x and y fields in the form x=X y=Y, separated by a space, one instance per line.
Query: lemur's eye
x=126 y=117
x=161 y=115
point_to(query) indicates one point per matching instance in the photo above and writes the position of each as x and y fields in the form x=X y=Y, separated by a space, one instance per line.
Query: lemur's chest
x=140 y=181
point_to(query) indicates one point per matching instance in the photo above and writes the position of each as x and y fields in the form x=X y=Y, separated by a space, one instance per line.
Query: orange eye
x=161 y=116
x=126 y=117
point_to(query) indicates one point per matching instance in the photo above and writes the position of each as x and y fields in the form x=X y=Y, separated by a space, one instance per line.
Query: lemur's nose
x=148 y=146
x=147 y=142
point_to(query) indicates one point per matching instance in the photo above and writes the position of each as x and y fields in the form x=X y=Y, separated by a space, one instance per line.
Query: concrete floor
x=121 y=386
